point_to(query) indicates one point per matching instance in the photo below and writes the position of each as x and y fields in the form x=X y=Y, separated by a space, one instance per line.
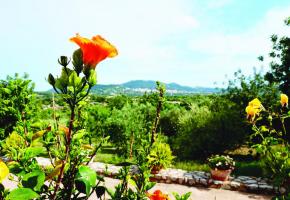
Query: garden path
x=198 y=193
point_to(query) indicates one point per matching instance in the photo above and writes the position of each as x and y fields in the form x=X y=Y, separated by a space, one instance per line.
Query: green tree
x=17 y=102
x=244 y=88
x=280 y=64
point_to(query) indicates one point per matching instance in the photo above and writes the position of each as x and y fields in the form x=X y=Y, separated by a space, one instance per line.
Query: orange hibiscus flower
x=94 y=50
x=158 y=195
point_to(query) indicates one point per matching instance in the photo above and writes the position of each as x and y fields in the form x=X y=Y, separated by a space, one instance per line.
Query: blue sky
x=191 y=42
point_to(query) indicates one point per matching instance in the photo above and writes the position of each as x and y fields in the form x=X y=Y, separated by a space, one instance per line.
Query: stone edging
x=198 y=179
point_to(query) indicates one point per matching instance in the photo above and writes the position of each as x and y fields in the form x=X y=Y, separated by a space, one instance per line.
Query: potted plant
x=160 y=157
x=221 y=167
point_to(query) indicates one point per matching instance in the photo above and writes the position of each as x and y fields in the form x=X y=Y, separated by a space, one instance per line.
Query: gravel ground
x=197 y=193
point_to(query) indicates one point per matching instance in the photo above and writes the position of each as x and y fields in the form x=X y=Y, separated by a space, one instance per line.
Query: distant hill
x=139 y=87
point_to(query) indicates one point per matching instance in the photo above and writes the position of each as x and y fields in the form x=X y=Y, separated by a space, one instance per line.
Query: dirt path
x=197 y=193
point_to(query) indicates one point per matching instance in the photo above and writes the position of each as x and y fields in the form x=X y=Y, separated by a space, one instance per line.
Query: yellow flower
x=284 y=100
x=254 y=107
x=255 y=103
x=4 y=171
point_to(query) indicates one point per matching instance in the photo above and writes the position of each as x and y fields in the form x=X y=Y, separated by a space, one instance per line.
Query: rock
x=174 y=178
x=203 y=181
x=180 y=180
x=249 y=182
x=266 y=187
x=216 y=182
x=234 y=185
x=253 y=186
x=282 y=190
x=226 y=186
x=191 y=181
x=157 y=176
x=168 y=181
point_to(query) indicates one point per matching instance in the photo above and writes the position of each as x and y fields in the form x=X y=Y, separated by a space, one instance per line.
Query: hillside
x=139 y=87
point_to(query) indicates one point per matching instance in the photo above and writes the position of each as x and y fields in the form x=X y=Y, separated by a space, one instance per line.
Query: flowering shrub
x=69 y=148
x=221 y=162
x=270 y=138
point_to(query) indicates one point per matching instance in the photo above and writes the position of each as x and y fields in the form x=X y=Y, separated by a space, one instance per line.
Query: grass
x=191 y=166
x=245 y=163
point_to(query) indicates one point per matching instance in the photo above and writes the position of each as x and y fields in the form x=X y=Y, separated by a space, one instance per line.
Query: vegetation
x=221 y=162
x=72 y=127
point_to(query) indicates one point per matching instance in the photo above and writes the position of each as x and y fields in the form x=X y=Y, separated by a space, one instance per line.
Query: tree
x=17 y=102
x=280 y=64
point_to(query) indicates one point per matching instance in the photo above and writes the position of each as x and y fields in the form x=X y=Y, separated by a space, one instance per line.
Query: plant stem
x=158 y=110
x=67 y=150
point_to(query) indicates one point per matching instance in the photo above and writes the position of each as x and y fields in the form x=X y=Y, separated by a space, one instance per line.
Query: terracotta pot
x=221 y=175
x=155 y=169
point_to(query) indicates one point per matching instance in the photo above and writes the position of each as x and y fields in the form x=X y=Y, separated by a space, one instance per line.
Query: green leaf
x=186 y=196
x=22 y=194
x=32 y=152
x=87 y=173
x=100 y=191
x=150 y=185
x=85 y=179
x=74 y=80
x=6 y=90
x=80 y=134
x=83 y=186
x=34 y=180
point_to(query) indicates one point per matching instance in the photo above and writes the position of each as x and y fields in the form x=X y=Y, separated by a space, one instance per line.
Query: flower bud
x=51 y=79
x=63 y=61
x=92 y=78
x=78 y=61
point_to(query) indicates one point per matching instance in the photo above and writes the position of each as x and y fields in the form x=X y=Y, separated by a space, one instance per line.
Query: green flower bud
x=51 y=79
x=92 y=80
x=63 y=61
x=78 y=61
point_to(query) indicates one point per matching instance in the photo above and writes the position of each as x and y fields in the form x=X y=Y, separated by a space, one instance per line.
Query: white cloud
x=229 y=52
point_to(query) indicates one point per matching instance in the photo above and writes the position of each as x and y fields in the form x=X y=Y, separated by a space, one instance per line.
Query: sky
x=190 y=42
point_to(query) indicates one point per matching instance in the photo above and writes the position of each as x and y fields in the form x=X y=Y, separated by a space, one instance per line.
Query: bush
x=208 y=129
x=17 y=102
x=160 y=155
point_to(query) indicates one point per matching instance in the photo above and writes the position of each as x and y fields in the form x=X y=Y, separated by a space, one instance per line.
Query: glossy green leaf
x=85 y=179
x=34 y=180
x=22 y=194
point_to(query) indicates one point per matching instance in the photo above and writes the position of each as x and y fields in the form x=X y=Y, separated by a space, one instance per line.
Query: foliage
x=280 y=63
x=271 y=141
x=68 y=148
x=221 y=162
x=202 y=129
x=128 y=126
x=182 y=197
x=160 y=155
x=140 y=180
x=242 y=88
x=17 y=102
x=169 y=120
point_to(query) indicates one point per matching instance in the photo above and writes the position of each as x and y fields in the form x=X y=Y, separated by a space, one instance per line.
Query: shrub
x=160 y=155
x=208 y=129
x=17 y=102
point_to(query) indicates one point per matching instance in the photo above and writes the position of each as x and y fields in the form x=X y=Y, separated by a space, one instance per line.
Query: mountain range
x=139 y=87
